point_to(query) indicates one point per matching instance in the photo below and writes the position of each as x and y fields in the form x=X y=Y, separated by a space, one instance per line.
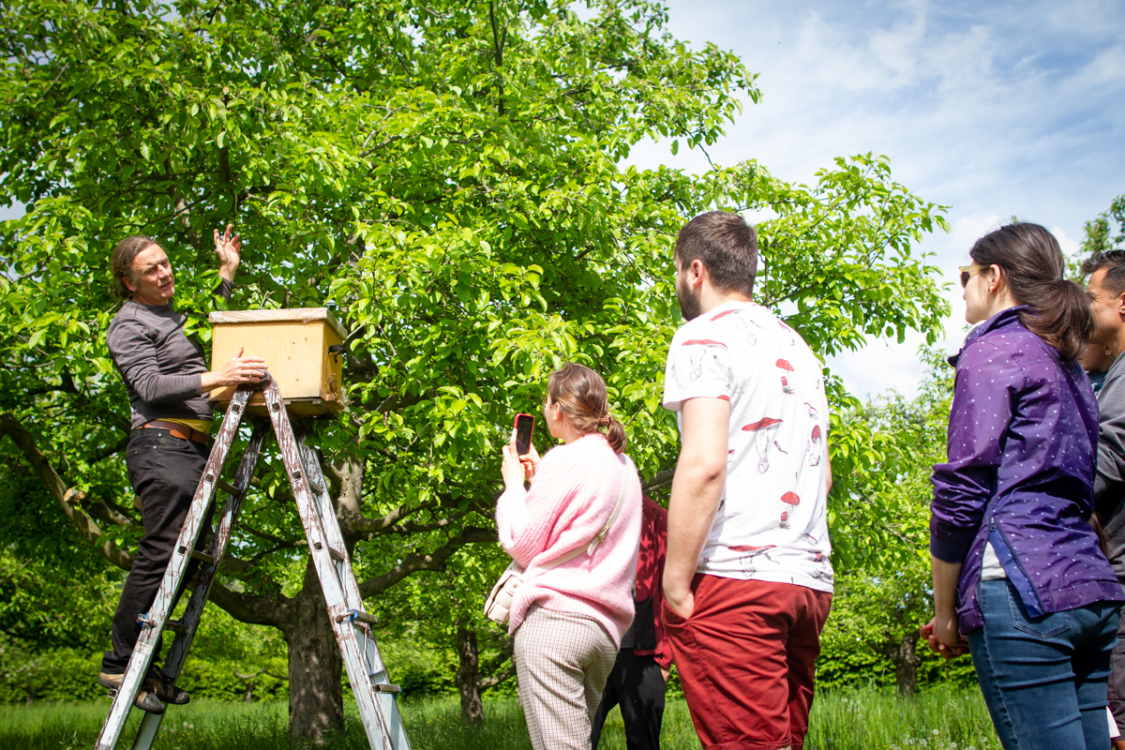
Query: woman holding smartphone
x=1017 y=567
x=568 y=620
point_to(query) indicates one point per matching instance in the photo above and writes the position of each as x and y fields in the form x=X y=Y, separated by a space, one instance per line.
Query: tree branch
x=662 y=478
x=436 y=560
x=252 y=608
x=361 y=526
x=105 y=453
x=485 y=683
x=68 y=499
x=107 y=511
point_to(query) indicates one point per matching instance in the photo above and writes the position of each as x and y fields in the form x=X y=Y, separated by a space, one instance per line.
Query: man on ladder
x=167 y=380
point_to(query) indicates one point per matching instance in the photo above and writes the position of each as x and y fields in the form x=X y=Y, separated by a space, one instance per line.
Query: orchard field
x=452 y=180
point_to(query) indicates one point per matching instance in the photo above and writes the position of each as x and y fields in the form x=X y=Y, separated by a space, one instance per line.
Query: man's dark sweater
x=1109 y=482
x=160 y=365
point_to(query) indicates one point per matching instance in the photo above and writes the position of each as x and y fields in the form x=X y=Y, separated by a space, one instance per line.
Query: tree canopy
x=1099 y=235
x=452 y=179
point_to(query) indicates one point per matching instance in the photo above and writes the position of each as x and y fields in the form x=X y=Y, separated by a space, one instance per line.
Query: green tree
x=1099 y=234
x=443 y=612
x=884 y=594
x=446 y=176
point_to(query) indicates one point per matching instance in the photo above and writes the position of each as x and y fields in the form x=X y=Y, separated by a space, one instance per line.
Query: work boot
x=146 y=699
x=159 y=683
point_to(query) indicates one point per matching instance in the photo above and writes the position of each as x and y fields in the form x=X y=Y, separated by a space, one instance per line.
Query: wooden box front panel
x=296 y=354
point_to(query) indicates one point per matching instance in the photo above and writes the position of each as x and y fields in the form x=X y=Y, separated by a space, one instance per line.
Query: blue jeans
x=1044 y=679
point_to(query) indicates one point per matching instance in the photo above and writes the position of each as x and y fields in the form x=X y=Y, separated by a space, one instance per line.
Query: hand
x=512 y=469
x=943 y=636
x=237 y=371
x=529 y=460
x=229 y=250
x=665 y=673
x=680 y=602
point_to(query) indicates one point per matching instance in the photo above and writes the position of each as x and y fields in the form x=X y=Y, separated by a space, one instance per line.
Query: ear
x=129 y=284
x=995 y=277
x=696 y=271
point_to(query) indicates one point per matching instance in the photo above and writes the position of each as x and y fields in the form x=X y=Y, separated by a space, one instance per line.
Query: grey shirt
x=160 y=365
x=1109 y=482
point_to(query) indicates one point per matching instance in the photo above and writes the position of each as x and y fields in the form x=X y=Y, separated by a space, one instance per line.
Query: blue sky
x=993 y=108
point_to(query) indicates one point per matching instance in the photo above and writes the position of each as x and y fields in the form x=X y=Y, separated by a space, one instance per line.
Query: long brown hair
x=581 y=393
x=1033 y=264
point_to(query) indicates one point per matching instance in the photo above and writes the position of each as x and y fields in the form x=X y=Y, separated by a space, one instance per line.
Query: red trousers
x=746 y=660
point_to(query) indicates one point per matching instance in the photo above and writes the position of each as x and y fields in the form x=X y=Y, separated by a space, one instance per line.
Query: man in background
x=1106 y=287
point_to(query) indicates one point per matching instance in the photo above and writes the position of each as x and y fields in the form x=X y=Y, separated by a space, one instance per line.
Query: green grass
x=939 y=719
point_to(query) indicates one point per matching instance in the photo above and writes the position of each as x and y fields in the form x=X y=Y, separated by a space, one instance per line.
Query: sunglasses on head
x=967 y=272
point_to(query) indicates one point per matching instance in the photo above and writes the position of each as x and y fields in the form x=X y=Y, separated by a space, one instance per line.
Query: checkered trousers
x=562 y=663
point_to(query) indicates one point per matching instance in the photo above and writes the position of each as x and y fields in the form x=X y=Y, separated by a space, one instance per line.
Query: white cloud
x=997 y=109
x=1068 y=244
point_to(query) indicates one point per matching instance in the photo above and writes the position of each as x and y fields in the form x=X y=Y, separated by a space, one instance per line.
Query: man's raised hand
x=229 y=250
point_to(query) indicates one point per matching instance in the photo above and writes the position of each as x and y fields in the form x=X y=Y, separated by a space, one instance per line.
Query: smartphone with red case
x=524 y=424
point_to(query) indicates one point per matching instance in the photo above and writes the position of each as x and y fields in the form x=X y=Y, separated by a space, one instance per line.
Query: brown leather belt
x=178 y=431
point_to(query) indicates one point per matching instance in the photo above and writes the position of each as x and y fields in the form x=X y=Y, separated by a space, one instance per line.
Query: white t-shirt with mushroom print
x=771 y=524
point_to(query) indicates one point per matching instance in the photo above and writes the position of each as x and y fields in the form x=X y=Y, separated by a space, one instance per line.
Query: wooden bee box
x=294 y=344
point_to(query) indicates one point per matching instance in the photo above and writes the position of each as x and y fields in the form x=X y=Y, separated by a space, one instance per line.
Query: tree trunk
x=316 y=697
x=906 y=661
x=468 y=676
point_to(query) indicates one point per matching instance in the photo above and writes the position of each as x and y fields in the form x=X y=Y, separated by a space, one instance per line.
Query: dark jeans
x=1044 y=679
x=637 y=685
x=164 y=472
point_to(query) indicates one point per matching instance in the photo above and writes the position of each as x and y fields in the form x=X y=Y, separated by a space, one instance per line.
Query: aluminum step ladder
x=367 y=675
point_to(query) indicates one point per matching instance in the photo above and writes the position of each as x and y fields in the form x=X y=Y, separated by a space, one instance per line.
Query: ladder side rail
x=374 y=667
x=149 y=638
x=370 y=712
x=177 y=654
x=331 y=525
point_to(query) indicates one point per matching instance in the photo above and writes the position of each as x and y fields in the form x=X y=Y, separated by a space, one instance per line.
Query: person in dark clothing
x=1096 y=360
x=1106 y=288
x=640 y=672
x=167 y=379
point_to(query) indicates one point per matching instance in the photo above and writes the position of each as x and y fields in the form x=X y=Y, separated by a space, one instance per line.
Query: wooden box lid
x=299 y=315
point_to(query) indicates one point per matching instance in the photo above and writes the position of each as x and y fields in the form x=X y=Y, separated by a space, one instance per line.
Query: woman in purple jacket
x=1017 y=568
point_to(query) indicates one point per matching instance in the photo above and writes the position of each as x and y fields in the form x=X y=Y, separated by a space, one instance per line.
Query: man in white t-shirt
x=748 y=581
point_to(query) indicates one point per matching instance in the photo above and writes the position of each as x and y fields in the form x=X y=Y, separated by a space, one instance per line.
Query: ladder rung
x=337 y=555
x=202 y=557
x=384 y=687
x=355 y=614
x=177 y=626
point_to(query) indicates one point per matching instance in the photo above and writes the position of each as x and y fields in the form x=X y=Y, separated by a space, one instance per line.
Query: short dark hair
x=123 y=255
x=1114 y=263
x=727 y=246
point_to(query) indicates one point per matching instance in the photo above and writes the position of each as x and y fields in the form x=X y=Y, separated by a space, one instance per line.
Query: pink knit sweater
x=571 y=497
